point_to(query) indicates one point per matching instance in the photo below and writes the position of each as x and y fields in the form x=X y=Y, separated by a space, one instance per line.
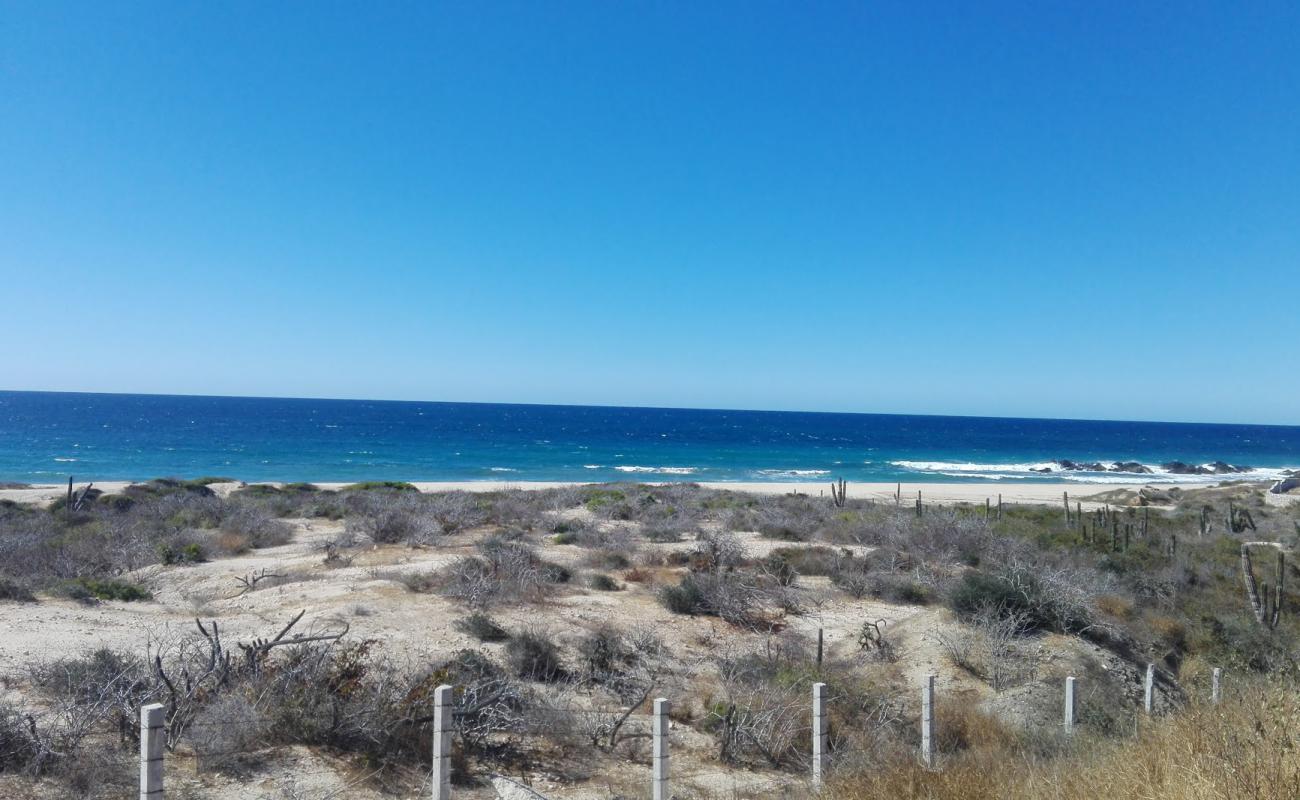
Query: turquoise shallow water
x=44 y=437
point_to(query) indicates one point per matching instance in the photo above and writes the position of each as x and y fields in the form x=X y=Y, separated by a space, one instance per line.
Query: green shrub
x=566 y=537
x=117 y=502
x=603 y=583
x=170 y=553
x=482 y=627
x=533 y=656
x=17 y=591
x=684 y=598
x=370 y=486
x=103 y=589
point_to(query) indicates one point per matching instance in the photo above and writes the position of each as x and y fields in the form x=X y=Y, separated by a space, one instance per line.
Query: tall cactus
x=839 y=493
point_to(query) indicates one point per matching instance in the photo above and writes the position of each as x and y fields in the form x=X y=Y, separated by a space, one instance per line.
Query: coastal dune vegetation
x=295 y=635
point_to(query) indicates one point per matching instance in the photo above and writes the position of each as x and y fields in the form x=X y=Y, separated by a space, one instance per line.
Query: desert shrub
x=506 y=572
x=732 y=596
x=172 y=553
x=458 y=511
x=120 y=503
x=898 y=588
x=603 y=583
x=684 y=598
x=716 y=550
x=381 y=486
x=15 y=590
x=102 y=589
x=1046 y=599
x=533 y=656
x=22 y=750
x=258 y=528
x=227 y=733
x=391 y=526
x=779 y=570
x=663 y=533
x=606 y=653
x=607 y=559
x=482 y=627
x=160 y=487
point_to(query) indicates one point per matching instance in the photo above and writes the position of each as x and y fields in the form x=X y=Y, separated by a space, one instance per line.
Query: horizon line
x=641 y=408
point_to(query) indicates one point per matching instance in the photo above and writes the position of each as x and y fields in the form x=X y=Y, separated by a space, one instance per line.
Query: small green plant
x=172 y=554
x=482 y=627
x=11 y=589
x=103 y=589
x=392 y=486
x=684 y=598
x=533 y=656
x=603 y=583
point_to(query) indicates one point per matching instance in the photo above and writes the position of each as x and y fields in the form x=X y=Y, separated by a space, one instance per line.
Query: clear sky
x=1035 y=209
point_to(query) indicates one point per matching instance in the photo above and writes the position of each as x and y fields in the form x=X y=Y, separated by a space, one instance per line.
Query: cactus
x=839 y=493
x=1266 y=605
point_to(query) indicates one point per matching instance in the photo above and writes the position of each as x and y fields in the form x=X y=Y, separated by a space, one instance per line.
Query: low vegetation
x=582 y=604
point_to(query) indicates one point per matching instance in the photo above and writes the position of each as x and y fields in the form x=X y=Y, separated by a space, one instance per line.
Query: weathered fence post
x=1216 y=688
x=442 y=726
x=918 y=502
x=820 y=726
x=152 y=739
x=1149 y=689
x=1065 y=498
x=1069 y=704
x=927 y=721
x=999 y=505
x=659 y=759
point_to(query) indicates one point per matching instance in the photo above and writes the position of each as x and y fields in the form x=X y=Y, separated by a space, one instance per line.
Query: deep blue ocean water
x=45 y=437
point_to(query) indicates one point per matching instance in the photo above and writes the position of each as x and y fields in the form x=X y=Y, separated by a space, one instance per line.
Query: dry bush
x=1248 y=748
x=254 y=525
x=992 y=647
x=506 y=572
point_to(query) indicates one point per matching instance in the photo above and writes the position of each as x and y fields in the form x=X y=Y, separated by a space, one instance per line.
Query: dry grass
x=1246 y=749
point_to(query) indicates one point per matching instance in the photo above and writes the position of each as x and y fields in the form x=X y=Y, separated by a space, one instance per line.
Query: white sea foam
x=502 y=469
x=591 y=466
x=659 y=470
x=1020 y=471
x=792 y=473
x=65 y=459
x=965 y=467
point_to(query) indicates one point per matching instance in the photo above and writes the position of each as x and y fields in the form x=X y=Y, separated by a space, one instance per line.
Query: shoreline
x=931 y=493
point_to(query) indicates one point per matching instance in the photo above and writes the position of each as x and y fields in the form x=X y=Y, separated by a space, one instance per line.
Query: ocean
x=45 y=437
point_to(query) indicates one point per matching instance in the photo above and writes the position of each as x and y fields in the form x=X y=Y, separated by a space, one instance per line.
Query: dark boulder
x=1286 y=485
x=1130 y=466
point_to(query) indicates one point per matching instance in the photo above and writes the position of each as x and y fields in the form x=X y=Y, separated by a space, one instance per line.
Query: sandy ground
x=931 y=493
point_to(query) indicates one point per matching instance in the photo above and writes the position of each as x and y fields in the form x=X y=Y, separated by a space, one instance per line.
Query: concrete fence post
x=1149 y=689
x=820 y=726
x=152 y=740
x=927 y=721
x=442 y=728
x=1069 y=704
x=659 y=760
x=1216 y=687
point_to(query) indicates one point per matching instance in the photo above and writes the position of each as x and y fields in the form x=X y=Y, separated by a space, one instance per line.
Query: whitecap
x=658 y=470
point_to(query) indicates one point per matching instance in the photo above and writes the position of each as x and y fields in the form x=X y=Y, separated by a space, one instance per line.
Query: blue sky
x=1030 y=209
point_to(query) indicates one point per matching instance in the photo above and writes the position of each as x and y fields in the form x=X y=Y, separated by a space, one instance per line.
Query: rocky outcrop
x=508 y=789
x=1217 y=468
x=1286 y=485
x=1067 y=465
